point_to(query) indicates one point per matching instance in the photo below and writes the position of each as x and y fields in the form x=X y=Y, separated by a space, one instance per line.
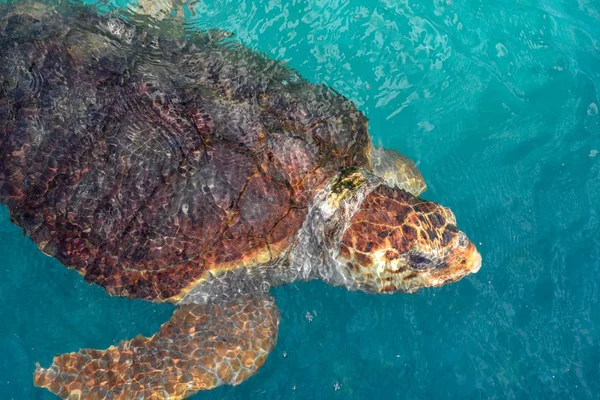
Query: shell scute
x=263 y=203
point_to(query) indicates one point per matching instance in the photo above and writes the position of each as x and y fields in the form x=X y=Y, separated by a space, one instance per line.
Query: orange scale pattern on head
x=391 y=220
x=399 y=242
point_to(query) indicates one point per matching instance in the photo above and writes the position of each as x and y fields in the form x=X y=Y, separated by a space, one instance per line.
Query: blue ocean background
x=498 y=103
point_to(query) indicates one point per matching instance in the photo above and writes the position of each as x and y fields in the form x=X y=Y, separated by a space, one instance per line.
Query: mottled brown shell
x=143 y=161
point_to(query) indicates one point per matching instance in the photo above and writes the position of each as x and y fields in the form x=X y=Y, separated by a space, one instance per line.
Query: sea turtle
x=189 y=169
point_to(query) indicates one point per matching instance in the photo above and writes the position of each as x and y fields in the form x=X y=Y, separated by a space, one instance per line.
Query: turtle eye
x=419 y=262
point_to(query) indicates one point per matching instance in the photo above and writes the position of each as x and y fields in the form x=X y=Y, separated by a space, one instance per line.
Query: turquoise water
x=498 y=102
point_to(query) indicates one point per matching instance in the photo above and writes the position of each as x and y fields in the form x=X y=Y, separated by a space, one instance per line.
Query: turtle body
x=221 y=155
x=192 y=170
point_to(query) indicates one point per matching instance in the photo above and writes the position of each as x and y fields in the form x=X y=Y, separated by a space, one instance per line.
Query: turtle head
x=398 y=242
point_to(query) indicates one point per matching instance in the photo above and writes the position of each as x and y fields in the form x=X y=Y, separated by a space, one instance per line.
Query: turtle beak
x=475 y=261
x=460 y=263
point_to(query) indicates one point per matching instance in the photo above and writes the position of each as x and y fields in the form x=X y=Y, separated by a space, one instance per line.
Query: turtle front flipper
x=159 y=10
x=397 y=170
x=201 y=347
